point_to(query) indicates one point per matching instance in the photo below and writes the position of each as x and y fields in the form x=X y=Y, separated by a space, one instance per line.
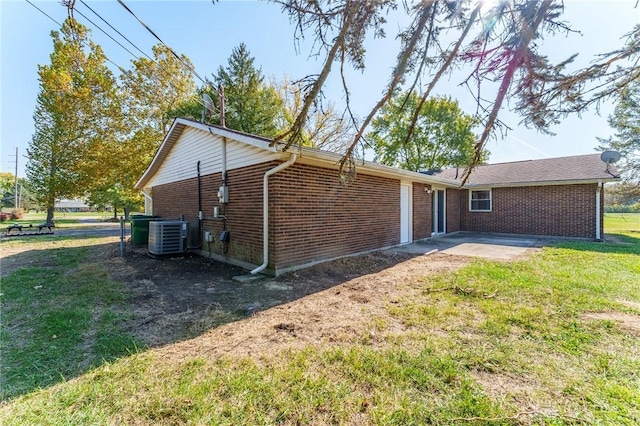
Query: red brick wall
x=453 y=209
x=311 y=216
x=244 y=210
x=421 y=211
x=316 y=218
x=561 y=210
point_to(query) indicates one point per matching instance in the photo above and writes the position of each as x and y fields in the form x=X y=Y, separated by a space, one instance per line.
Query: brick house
x=283 y=211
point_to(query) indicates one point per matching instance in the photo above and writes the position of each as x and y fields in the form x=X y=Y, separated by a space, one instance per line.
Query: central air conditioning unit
x=167 y=237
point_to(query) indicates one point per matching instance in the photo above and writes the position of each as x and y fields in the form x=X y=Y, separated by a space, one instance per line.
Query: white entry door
x=405 y=213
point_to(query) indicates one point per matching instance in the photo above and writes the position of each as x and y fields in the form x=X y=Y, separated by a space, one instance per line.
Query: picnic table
x=16 y=229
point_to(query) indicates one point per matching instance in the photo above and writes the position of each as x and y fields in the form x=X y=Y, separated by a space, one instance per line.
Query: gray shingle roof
x=562 y=169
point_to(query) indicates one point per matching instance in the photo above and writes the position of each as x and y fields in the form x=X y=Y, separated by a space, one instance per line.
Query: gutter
x=598 y=207
x=148 y=197
x=265 y=211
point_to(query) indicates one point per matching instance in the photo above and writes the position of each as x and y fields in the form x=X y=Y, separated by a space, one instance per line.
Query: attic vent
x=167 y=237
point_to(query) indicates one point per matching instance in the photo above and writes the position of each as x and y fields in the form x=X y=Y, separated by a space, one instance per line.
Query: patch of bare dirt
x=630 y=322
x=332 y=302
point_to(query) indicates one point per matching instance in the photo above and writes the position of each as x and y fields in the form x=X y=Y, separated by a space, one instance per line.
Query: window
x=480 y=201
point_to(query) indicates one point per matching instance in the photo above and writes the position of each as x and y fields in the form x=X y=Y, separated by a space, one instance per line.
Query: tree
x=73 y=113
x=626 y=121
x=324 y=129
x=148 y=91
x=155 y=86
x=443 y=136
x=251 y=105
x=501 y=44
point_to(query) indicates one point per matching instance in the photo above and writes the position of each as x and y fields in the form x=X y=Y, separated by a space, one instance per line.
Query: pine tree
x=251 y=105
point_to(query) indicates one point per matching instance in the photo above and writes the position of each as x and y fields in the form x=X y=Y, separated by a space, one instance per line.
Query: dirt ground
x=175 y=299
x=178 y=298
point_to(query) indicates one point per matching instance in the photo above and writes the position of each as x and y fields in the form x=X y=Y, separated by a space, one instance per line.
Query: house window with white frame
x=480 y=201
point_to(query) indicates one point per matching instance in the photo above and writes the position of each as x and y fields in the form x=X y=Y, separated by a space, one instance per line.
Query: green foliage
x=443 y=136
x=75 y=111
x=251 y=105
x=626 y=121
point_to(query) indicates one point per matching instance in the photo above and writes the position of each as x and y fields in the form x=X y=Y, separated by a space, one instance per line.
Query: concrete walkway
x=474 y=245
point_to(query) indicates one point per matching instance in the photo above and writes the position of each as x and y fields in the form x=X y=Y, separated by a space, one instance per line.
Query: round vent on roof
x=610 y=157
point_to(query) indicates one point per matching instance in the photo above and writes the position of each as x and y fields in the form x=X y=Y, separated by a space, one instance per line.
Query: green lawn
x=546 y=340
x=61 y=219
x=622 y=222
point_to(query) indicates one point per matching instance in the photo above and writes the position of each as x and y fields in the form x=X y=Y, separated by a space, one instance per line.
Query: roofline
x=540 y=183
x=334 y=158
x=326 y=157
x=178 y=125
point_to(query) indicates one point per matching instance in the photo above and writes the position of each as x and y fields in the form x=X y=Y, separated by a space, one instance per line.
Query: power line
x=189 y=67
x=132 y=44
x=114 y=29
x=105 y=33
x=197 y=99
x=60 y=25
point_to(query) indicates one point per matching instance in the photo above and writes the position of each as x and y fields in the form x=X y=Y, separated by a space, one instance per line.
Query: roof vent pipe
x=265 y=211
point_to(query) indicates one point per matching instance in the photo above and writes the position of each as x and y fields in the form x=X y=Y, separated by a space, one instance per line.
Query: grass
x=58 y=313
x=493 y=343
x=622 y=222
x=61 y=219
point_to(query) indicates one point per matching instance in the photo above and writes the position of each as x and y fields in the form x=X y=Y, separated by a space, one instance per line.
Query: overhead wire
x=197 y=99
x=114 y=29
x=179 y=90
x=60 y=25
x=189 y=67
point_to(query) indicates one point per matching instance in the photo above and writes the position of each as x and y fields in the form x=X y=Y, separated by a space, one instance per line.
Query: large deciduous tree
x=75 y=106
x=148 y=91
x=326 y=128
x=443 y=135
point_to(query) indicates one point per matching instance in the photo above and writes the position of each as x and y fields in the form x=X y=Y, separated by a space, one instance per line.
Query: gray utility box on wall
x=167 y=237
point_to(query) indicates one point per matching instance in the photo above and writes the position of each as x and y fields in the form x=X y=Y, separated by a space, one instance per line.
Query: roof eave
x=334 y=158
x=540 y=183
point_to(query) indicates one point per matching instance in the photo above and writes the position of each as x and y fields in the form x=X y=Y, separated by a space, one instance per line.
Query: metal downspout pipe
x=265 y=211
x=598 y=208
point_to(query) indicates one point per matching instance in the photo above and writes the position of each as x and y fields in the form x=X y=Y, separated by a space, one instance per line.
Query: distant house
x=282 y=211
x=72 y=206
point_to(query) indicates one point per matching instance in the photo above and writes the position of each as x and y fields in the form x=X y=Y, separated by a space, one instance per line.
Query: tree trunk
x=50 y=214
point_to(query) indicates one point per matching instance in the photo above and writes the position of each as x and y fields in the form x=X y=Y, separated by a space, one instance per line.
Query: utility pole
x=15 y=182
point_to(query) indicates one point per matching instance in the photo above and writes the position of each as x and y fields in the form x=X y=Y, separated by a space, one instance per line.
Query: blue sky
x=207 y=33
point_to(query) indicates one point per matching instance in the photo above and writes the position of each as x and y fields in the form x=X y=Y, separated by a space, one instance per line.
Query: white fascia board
x=474 y=187
x=240 y=137
x=308 y=155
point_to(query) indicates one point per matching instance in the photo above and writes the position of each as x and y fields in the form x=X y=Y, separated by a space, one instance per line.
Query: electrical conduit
x=265 y=211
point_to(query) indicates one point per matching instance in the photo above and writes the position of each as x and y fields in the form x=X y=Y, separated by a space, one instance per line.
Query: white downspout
x=598 y=231
x=148 y=201
x=265 y=211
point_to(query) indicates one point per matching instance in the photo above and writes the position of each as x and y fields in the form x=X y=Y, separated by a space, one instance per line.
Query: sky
x=207 y=32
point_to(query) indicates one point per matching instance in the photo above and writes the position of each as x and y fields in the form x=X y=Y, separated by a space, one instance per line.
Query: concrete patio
x=495 y=247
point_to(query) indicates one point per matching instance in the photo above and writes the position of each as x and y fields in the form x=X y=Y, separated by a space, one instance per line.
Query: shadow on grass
x=69 y=309
x=613 y=243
